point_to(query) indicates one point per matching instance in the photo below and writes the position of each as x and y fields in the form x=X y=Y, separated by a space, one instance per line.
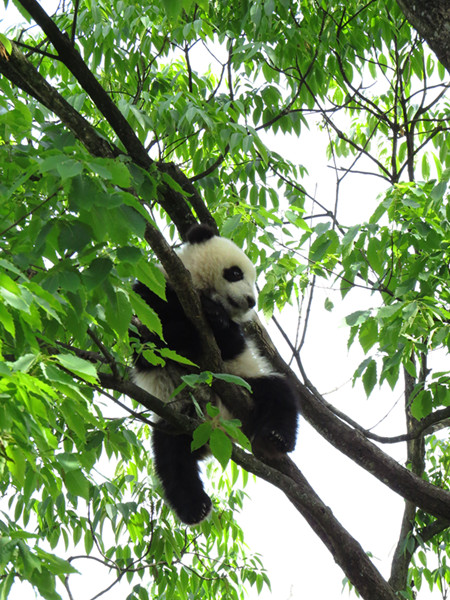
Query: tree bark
x=431 y=18
x=416 y=462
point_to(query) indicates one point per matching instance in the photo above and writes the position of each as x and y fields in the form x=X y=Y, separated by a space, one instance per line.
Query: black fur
x=273 y=422
x=178 y=470
x=200 y=233
x=178 y=332
x=272 y=425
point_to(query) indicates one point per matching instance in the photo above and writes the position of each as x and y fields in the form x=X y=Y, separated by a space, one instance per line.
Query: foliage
x=407 y=263
x=78 y=198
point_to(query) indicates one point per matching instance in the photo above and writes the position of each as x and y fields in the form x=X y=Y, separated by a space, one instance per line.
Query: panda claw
x=275 y=440
x=278 y=441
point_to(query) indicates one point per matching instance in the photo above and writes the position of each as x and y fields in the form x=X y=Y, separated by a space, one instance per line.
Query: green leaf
x=233 y=379
x=77 y=484
x=129 y=254
x=369 y=377
x=358 y=317
x=68 y=168
x=119 y=312
x=151 y=276
x=4 y=40
x=319 y=248
x=201 y=435
x=437 y=193
x=221 y=446
x=6 y=320
x=74 y=236
x=328 y=304
x=386 y=312
x=68 y=461
x=120 y=175
x=79 y=366
x=350 y=235
x=6 y=584
x=55 y=564
x=233 y=429
x=145 y=314
x=19 y=300
x=172 y=355
x=368 y=334
x=195 y=379
x=422 y=405
x=16 y=464
x=97 y=271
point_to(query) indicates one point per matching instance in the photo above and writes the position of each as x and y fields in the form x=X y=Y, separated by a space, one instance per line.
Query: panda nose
x=251 y=301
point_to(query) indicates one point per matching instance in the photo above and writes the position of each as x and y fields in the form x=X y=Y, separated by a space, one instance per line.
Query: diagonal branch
x=18 y=69
x=356 y=446
x=76 y=65
x=346 y=551
x=430 y=498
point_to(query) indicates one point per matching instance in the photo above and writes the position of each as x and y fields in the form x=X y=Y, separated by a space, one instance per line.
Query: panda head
x=221 y=270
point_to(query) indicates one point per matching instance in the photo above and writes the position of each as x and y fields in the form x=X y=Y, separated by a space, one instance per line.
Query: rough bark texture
x=431 y=18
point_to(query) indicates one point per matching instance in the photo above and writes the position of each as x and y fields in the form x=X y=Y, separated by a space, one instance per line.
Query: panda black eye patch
x=233 y=274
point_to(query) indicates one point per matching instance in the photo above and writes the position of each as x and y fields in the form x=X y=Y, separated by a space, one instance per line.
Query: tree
x=432 y=21
x=115 y=140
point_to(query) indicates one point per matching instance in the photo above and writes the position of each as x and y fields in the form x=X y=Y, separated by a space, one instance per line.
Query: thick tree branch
x=352 y=443
x=426 y=534
x=356 y=446
x=76 y=65
x=18 y=69
x=432 y=422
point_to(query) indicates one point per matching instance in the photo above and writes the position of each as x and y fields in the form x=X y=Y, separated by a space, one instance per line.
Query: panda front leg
x=178 y=470
x=273 y=420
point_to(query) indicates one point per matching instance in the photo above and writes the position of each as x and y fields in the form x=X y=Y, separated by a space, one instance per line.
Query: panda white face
x=221 y=269
x=235 y=291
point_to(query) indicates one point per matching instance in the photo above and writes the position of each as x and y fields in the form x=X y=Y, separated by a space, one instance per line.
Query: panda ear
x=198 y=234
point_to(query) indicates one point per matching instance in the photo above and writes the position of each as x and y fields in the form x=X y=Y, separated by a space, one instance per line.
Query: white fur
x=248 y=364
x=206 y=262
x=155 y=382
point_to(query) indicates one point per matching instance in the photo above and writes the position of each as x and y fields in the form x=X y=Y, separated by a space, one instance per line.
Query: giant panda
x=225 y=279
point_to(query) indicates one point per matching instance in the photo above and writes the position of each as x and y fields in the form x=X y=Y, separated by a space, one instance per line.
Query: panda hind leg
x=274 y=419
x=178 y=471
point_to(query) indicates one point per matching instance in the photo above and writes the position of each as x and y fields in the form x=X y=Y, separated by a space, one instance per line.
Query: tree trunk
x=431 y=18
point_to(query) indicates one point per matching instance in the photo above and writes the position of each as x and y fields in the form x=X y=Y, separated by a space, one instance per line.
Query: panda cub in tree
x=224 y=277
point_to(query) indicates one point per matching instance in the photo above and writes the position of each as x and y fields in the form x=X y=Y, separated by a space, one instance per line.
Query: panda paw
x=270 y=440
x=215 y=313
x=282 y=443
x=194 y=510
